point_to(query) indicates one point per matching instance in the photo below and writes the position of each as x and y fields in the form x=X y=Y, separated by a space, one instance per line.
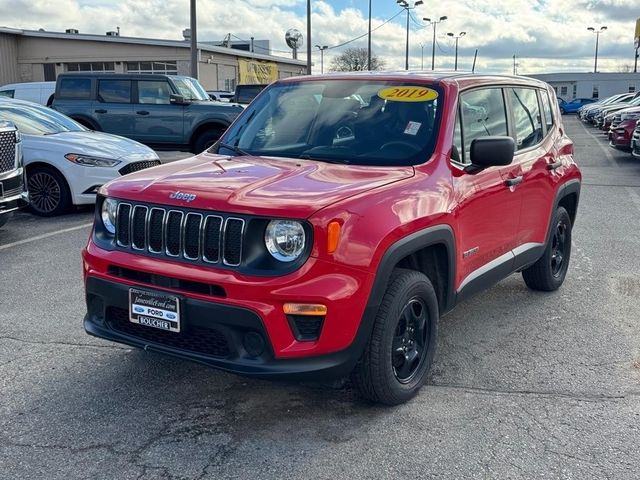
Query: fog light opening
x=253 y=343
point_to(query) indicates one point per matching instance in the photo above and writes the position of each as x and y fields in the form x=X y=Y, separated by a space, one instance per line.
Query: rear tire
x=48 y=192
x=400 y=351
x=549 y=272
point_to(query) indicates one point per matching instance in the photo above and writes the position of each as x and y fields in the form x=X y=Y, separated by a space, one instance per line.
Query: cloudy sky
x=545 y=35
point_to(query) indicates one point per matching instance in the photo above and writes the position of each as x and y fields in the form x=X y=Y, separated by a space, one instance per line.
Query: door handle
x=554 y=165
x=142 y=112
x=101 y=110
x=512 y=182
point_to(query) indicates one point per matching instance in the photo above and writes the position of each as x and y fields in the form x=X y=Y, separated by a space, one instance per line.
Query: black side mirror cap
x=177 y=99
x=490 y=151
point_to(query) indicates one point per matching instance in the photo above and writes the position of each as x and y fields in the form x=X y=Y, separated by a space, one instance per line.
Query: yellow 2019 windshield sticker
x=408 y=94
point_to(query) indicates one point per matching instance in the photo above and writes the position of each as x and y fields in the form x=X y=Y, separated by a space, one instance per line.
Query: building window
x=563 y=91
x=595 y=93
x=575 y=90
x=632 y=88
x=229 y=84
x=107 y=67
x=158 y=68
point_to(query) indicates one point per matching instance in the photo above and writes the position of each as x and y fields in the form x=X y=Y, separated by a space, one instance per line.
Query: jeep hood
x=252 y=185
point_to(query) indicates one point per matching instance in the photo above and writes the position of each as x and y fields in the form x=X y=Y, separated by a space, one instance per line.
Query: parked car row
x=618 y=117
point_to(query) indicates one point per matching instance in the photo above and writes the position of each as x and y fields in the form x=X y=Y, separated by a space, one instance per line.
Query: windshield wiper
x=307 y=156
x=233 y=148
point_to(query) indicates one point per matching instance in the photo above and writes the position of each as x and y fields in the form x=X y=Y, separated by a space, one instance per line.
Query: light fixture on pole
x=597 y=32
x=322 y=49
x=457 y=37
x=433 y=50
x=404 y=4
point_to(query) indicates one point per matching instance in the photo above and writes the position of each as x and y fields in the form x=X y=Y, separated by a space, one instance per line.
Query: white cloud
x=545 y=35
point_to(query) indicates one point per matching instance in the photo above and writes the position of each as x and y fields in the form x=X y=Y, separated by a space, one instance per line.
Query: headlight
x=108 y=214
x=88 y=161
x=285 y=239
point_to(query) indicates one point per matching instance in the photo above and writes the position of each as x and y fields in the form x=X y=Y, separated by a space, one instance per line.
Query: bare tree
x=354 y=60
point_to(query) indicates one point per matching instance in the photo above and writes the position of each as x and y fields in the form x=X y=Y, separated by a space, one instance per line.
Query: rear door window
x=114 y=91
x=526 y=117
x=483 y=114
x=546 y=107
x=154 y=92
x=79 y=88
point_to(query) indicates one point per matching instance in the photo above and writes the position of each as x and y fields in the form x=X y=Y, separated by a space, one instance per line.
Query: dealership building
x=35 y=56
x=590 y=85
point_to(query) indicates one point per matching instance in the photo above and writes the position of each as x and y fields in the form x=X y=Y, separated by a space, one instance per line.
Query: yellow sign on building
x=254 y=72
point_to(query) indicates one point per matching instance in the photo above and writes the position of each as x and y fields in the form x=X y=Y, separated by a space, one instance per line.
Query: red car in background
x=622 y=128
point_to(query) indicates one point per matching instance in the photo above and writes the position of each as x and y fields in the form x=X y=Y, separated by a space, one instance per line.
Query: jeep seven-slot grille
x=188 y=235
x=7 y=151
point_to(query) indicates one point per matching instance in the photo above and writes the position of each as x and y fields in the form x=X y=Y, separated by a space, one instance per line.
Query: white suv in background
x=38 y=92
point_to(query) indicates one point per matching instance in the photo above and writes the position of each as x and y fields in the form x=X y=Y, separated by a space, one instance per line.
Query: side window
x=483 y=114
x=526 y=117
x=546 y=107
x=79 y=88
x=457 y=152
x=153 y=91
x=114 y=91
x=7 y=93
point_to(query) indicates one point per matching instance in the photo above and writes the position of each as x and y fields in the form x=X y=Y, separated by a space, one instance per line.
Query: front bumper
x=12 y=192
x=620 y=136
x=248 y=305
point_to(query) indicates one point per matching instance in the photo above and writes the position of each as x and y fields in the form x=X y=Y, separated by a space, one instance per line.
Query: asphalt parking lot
x=524 y=384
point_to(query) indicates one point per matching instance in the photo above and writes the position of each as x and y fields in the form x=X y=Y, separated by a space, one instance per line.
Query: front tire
x=206 y=139
x=549 y=272
x=48 y=192
x=400 y=351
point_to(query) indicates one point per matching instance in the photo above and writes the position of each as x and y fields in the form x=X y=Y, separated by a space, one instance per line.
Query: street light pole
x=421 y=56
x=433 y=50
x=369 y=41
x=597 y=32
x=308 y=37
x=457 y=37
x=322 y=49
x=405 y=5
x=194 y=41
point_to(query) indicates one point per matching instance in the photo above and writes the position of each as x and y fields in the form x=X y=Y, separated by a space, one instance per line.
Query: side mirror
x=490 y=152
x=177 y=99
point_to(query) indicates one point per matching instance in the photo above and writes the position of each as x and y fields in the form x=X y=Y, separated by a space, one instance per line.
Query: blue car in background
x=574 y=105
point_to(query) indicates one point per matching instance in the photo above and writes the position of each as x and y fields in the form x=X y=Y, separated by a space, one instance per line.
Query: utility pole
x=194 y=41
x=404 y=4
x=515 y=72
x=597 y=32
x=322 y=49
x=433 y=49
x=369 y=41
x=308 y=37
x=421 y=56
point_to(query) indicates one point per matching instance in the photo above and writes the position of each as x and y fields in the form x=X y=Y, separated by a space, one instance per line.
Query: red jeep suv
x=334 y=223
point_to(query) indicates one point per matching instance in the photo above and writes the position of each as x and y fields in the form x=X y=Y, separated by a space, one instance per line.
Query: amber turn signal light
x=311 y=309
x=333 y=236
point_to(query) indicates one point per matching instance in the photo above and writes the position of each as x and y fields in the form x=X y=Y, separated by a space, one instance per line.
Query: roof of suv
x=120 y=76
x=457 y=77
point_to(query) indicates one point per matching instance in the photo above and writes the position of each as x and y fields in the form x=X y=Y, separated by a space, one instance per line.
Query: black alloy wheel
x=48 y=192
x=410 y=340
x=558 y=248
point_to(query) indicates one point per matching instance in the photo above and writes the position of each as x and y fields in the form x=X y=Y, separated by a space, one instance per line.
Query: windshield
x=340 y=121
x=33 y=120
x=190 y=89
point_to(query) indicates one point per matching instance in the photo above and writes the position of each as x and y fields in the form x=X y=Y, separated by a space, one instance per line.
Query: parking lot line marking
x=604 y=149
x=44 y=235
